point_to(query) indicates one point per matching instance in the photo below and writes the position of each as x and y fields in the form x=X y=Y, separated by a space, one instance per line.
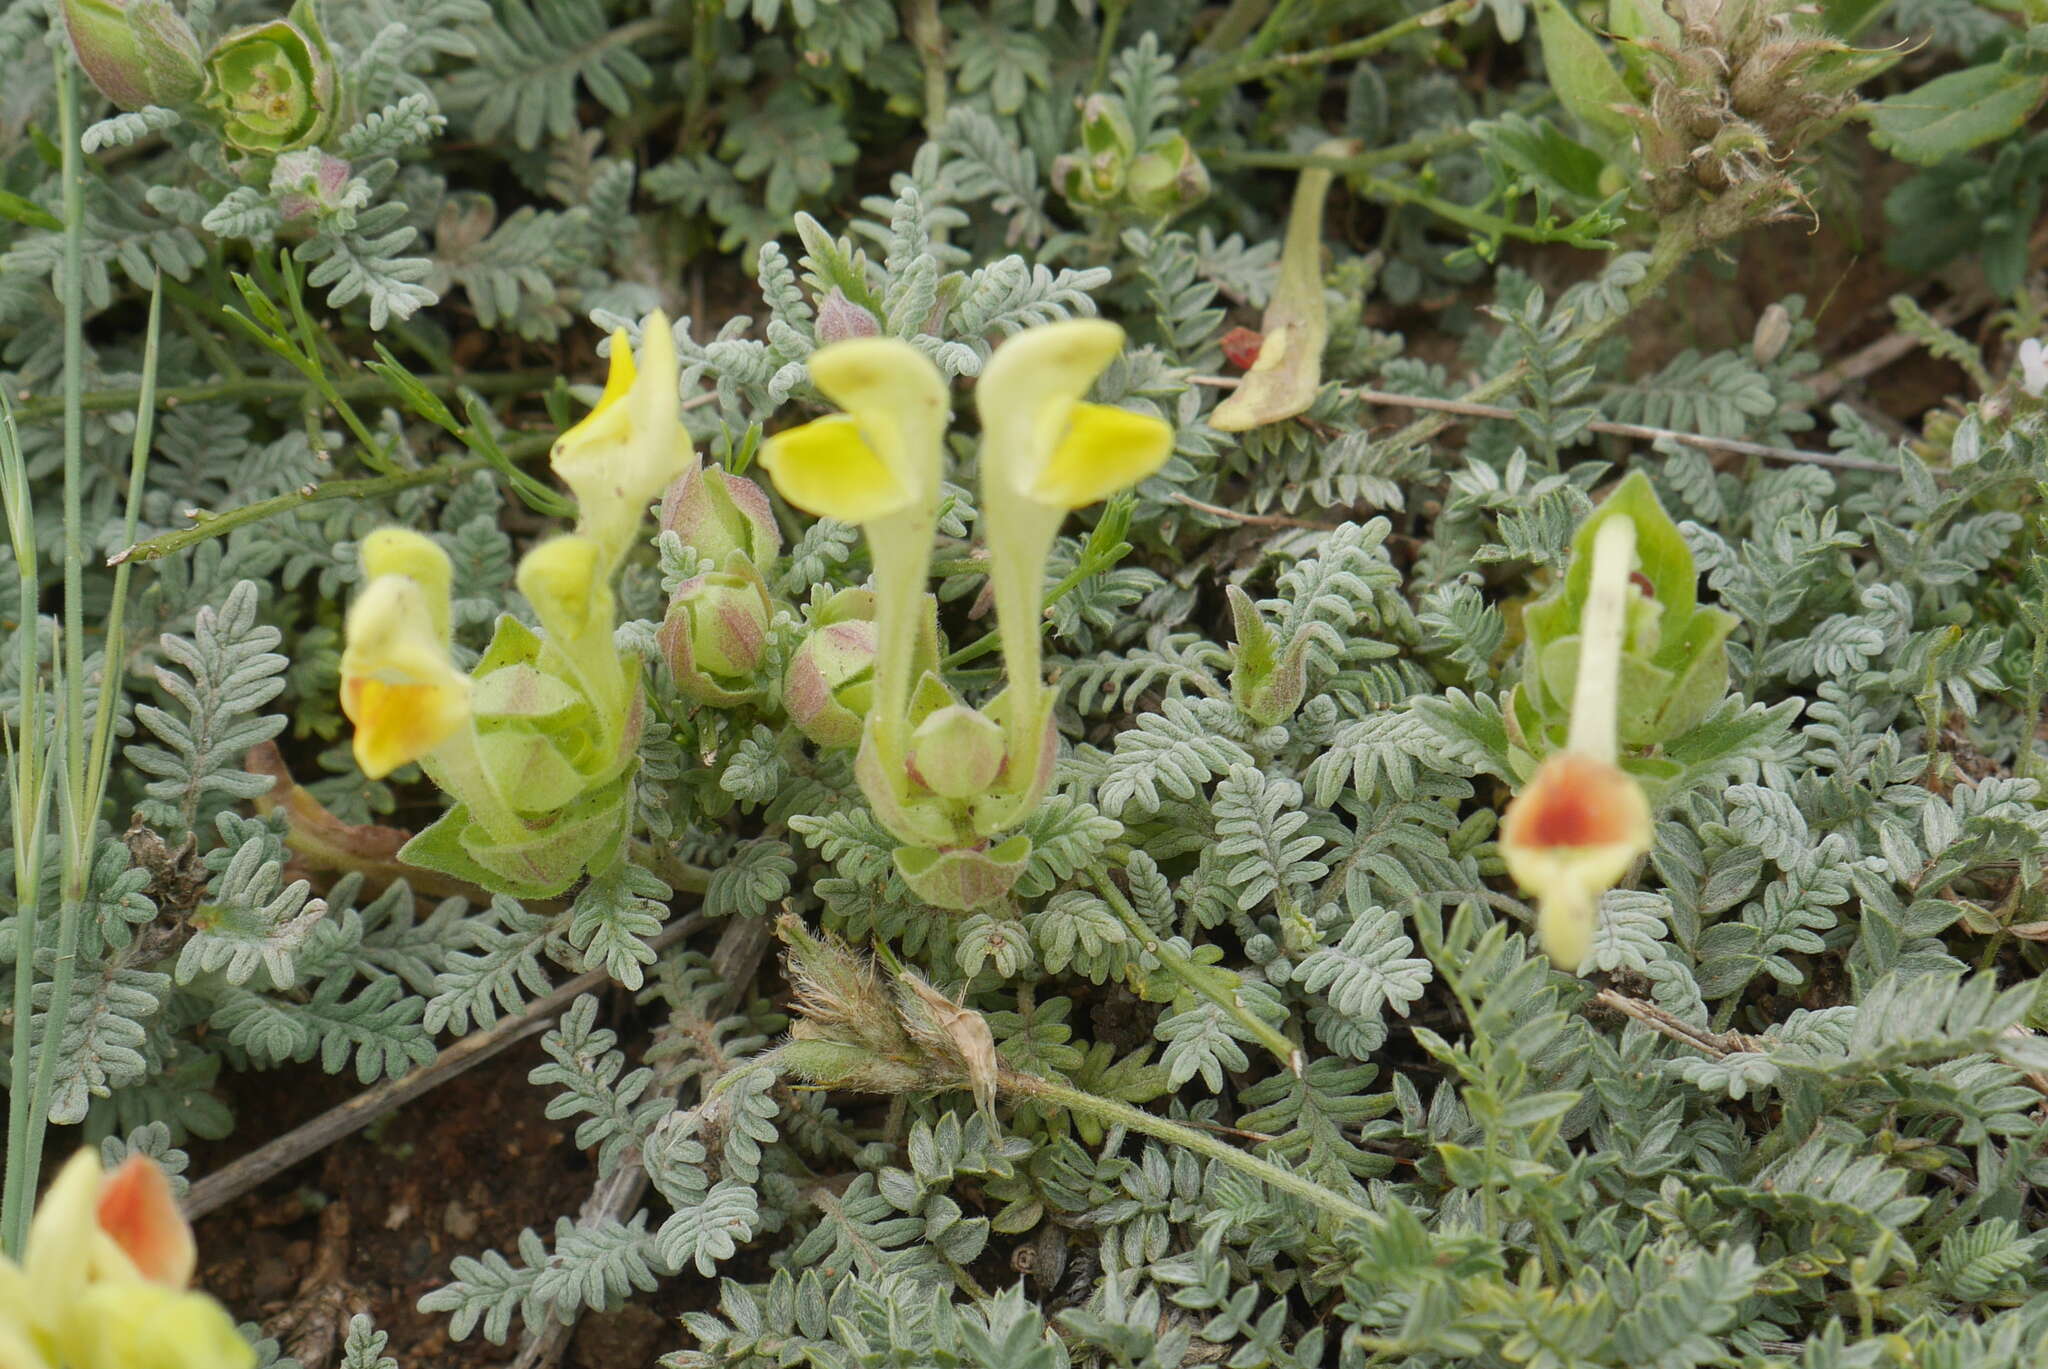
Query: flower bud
x=830 y=682
x=138 y=52
x=1168 y=178
x=716 y=633
x=1266 y=684
x=310 y=182
x=957 y=752
x=718 y=515
x=272 y=84
x=839 y=319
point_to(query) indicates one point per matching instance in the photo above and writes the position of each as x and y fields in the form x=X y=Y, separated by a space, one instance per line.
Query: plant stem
x=1677 y=237
x=927 y=34
x=1419 y=148
x=72 y=793
x=1112 y=20
x=219 y=391
x=1197 y=978
x=989 y=641
x=1112 y=1112
x=30 y=804
x=138 y=466
x=366 y=487
x=1258 y=65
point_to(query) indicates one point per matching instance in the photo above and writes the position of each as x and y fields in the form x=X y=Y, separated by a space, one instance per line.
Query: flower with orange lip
x=1582 y=821
x=398 y=685
x=102 y=1282
x=1570 y=836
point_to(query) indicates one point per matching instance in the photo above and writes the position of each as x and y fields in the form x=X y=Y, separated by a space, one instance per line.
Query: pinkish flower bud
x=717 y=515
x=830 y=682
x=839 y=319
x=309 y=181
x=138 y=52
x=716 y=633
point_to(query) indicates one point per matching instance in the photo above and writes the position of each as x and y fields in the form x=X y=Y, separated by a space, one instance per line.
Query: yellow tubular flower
x=880 y=457
x=1045 y=453
x=1569 y=837
x=397 y=684
x=877 y=465
x=1581 y=821
x=1041 y=442
x=102 y=1280
x=632 y=446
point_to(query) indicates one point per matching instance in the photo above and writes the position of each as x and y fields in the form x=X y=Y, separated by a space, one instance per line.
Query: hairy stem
x=1259 y=65
x=251 y=387
x=366 y=487
x=1198 y=978
x=1110 y=1112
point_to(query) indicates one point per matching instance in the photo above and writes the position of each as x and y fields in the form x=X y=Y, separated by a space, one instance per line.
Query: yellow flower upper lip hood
x=398 y=685
x=1041 y=442
x=102 y=1282
x=882 y=455
x=633 y=445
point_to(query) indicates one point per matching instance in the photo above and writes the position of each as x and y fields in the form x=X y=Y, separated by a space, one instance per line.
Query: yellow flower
x=632 y=446
x=1569 y=837
x=880 y=457
x=878 y=465
x=1581 y=821
x=1044 y=453
x=1040 y=441
x=102 y=1280
x=397 y=684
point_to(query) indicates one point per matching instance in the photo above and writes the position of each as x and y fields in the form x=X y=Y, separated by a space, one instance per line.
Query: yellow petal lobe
x=397 y=684
x=618 y=381
x=1104 y=449
x=826 y=468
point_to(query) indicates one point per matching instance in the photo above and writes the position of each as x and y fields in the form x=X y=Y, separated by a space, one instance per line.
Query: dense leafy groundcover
x=1236 y=1046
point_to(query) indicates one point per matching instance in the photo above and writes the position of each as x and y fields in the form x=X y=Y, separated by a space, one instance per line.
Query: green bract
x=272 y=85
x=1674 y=667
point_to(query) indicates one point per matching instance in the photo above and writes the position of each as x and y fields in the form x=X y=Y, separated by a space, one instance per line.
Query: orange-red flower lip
x=1574 y=801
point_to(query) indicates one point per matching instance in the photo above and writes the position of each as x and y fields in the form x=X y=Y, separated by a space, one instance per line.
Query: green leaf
x=14 y=207
x=1954 y=113
x=1585 y=80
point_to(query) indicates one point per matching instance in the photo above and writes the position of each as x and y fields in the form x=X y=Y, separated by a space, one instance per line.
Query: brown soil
x=374 y=1221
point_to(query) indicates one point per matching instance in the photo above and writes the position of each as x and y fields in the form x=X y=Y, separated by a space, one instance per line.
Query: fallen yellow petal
x=826 y=467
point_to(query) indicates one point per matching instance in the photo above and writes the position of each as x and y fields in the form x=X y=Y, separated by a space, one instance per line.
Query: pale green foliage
x=1812 y=1137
